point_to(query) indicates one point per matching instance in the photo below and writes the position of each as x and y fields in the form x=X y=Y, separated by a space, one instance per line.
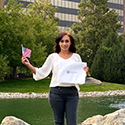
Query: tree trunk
x=14 y=72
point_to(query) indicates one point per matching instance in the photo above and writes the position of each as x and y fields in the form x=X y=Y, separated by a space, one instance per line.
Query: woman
x=63 y=98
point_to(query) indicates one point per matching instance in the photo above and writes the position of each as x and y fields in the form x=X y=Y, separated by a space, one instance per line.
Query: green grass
x=106 y=87
x=42 y=86
x=25 y=85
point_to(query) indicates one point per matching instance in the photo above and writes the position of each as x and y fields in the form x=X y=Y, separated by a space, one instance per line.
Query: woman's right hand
x=25 y=61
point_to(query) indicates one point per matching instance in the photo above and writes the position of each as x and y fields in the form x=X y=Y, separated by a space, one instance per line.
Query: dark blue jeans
x=64 y=102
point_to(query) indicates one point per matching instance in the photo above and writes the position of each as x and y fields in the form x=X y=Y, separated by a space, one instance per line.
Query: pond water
x=38 y=111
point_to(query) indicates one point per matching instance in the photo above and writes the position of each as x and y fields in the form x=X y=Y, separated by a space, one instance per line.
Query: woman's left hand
x=86 y=69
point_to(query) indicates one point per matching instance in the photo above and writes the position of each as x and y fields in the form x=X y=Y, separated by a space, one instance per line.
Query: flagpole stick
x=22 y=48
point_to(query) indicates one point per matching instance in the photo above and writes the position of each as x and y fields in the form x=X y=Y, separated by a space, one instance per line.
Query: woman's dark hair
x=72 y=47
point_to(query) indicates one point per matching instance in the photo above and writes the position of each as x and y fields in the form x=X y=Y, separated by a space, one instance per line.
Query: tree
x=109 y=62
x=96 y=21
x=19 y=26
x=10 y=17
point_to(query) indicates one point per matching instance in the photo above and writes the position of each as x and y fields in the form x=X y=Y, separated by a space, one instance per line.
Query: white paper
x=71 y=72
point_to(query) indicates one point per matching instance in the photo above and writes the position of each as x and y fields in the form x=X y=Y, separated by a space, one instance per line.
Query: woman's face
x=65 y=43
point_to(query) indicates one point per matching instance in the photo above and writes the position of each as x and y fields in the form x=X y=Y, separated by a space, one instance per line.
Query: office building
x=119 y=6
x=67 y=12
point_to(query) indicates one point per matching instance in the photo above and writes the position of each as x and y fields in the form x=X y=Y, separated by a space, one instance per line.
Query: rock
x=91 y=80
x=11 y=120
x=115 y=118
x=92 y=120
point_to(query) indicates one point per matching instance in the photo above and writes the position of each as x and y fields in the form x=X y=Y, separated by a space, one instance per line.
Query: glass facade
x=67 y=12
x=118 y=5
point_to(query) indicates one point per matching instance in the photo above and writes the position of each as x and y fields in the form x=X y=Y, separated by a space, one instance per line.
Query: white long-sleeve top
x=52 y=64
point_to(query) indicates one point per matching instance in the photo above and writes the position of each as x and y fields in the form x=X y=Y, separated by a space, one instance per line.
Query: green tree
x=10 y=17
x=96 y=21
x=109 y=62
x=18 y=26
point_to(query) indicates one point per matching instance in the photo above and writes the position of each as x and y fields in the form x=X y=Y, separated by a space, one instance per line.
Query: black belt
x=59 y=87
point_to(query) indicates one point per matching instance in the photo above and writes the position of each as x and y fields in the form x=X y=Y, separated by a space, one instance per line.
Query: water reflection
x=38 y=111
x=118 y=103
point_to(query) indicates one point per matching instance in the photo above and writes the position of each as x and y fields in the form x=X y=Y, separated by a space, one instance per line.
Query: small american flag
x=26 y=51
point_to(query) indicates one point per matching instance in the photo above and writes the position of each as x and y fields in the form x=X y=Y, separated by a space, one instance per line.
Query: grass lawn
x=42 y=86
x=25 y=85
x=106 y=87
